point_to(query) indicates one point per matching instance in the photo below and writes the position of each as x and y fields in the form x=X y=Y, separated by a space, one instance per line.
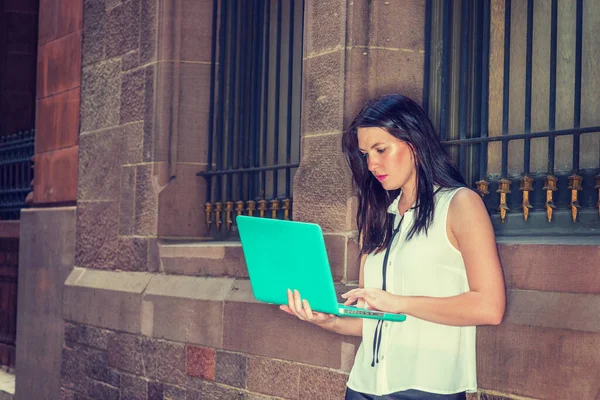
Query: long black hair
x=406 y=120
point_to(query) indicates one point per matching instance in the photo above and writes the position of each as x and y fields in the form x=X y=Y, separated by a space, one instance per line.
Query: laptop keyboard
x=358 y=311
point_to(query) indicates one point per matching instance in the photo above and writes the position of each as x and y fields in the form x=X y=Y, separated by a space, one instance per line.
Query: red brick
x=59 y=65
x=200 y=362
x=48 y=20
x=56 y=176
x=57 y=121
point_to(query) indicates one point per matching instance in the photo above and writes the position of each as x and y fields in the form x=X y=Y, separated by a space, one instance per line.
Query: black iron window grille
x=16 y=173
x=254 y=130
x=512 y=89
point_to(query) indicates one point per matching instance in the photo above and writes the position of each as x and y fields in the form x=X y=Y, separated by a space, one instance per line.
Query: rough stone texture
x=100 y=95
x=323 y=99
x=131 y=60
x=265 y=330
x=325 y=27
x=57 y=121
x=185 y=30
x=323 y=185
x=53 y=74
x=46 y=252
x=87 y=335
x=148 y=31
x=112 y=300
x=132 y=96
x=125 y=353
x=324 y=383
x=538 y=362
x=123 y=28
x=127 y=201
x=164 y=361
x=204 y=259
x=97 y=242
x=155 y=391
x=84 y=366
x=553 y=268
x=102 y=154
x=212 y=391
x=230 y=369
x=133 y=388
x=132 y=254
x=98 y=390
x=146 y=201
x=200 y=362
x=94 y=23
x=149 y=113
x=273 y=377
x=174 y=393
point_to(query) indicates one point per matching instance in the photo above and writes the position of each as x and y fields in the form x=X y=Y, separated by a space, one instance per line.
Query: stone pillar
x=354 y=50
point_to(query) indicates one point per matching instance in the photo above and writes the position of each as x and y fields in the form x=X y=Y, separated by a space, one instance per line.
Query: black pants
x=405 y=395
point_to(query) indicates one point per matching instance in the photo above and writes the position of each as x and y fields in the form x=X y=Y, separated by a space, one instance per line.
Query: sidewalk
x=7 y=386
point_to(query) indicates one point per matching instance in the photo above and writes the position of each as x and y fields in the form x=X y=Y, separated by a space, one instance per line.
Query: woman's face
x=388 y=158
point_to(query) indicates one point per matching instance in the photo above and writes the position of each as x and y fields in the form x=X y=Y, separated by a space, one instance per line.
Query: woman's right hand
x=301 y=309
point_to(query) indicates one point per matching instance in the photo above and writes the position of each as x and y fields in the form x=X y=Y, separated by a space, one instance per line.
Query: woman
x=427 y=250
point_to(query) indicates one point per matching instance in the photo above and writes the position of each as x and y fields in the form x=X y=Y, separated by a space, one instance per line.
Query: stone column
x=354 y=50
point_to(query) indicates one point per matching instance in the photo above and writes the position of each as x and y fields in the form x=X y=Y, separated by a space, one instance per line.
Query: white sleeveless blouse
x=417 y=354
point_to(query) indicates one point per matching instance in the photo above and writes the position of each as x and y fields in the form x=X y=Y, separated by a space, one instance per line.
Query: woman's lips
x=380 y=177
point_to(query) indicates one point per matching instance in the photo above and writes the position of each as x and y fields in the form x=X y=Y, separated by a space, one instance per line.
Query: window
x=254 y=138
x=511 y=87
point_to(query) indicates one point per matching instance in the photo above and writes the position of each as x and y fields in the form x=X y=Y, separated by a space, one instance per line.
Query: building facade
x=123 y=295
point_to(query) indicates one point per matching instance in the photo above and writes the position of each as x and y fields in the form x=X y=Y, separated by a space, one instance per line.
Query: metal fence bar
x=254 y=123
x=16 y=172
x=506 y=86
x=241 y=95
x=528 y=84
x=211 y=110
x=427 y=62
x=535 y=135
x=446 y=55
x=577 y=91
x=552 y=102
x=244 y=170
x=485 y=65
x=221 y=115
x=266 y=100
x=464 y=68
x=277 y=96
x=288 y=147
x=233 y=85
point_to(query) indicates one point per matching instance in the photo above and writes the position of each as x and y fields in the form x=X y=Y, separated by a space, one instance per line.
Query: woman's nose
x=371 y=164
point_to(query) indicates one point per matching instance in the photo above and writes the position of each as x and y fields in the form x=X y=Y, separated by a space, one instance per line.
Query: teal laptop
x=288 y=254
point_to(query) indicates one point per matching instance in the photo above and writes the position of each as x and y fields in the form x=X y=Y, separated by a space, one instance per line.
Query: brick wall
x=105 y=364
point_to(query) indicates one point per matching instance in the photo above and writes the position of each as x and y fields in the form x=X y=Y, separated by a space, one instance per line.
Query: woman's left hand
x=376 y=299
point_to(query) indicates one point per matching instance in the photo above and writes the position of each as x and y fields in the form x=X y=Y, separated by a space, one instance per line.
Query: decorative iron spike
x=228 y=212
x=503 y=189
x=287 y=207
x=262 y=207
x=208 y=209
x=482 y=187
x=597 y=187
x=218 y=211
x=239 y=208
x=550 y=187
x=251 y=206
x=274 y=208
x=575 y=186
x=526 y=187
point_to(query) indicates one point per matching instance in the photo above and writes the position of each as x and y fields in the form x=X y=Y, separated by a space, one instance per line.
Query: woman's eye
x=380 y=151
x=364 y=155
